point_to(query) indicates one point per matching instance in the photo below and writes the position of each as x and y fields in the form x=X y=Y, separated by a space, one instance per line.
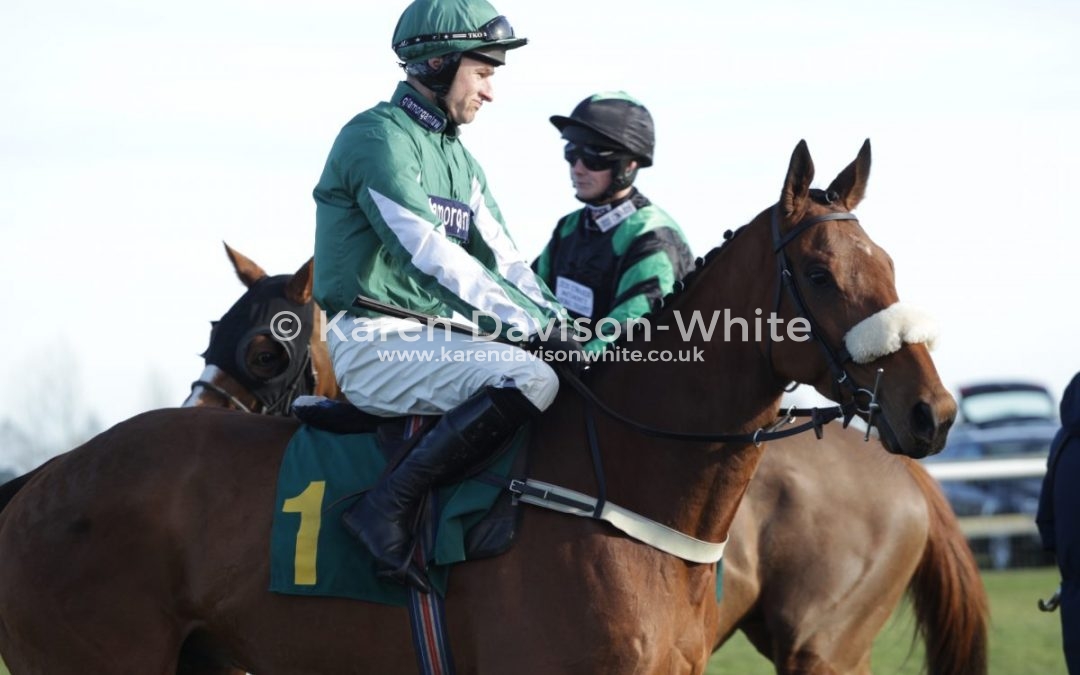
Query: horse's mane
x=667 y=303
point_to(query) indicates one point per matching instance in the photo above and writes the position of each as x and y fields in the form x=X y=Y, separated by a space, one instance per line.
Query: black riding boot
x=384 y=519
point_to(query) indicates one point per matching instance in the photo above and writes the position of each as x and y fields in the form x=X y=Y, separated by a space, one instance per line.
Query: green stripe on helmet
x=619 y=95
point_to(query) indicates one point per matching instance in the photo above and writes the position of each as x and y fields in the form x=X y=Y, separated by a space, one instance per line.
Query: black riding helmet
x=612 y=121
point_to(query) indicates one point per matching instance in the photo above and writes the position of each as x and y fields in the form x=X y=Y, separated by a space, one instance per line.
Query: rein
x=220 y=391
x=819 y=417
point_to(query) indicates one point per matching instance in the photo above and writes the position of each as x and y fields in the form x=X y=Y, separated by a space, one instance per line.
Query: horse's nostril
x=923 y=423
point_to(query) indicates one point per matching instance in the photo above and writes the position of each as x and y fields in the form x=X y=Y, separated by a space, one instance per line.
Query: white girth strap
x=886 y=332
x=639 y=527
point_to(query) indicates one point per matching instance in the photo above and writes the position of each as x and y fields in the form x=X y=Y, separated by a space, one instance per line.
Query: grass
x=1023 y=640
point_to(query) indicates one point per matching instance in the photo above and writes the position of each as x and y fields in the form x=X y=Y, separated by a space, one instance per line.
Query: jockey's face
x=588 y=184
x=472 y=88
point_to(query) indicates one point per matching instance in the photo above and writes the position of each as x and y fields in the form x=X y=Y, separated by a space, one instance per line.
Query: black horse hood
x=1070 y=405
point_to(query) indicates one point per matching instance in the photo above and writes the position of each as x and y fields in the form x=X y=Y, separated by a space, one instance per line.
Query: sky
x=136 y=136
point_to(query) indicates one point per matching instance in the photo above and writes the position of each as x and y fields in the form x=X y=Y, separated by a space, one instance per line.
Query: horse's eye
x=264 y=358
x=819 y=278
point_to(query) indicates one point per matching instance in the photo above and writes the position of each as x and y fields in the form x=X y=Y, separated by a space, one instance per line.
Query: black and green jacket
x=616 y=263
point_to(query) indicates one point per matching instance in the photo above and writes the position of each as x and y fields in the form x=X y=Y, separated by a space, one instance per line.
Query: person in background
x=1058 y=518
x=620 y=254
x=404 y=217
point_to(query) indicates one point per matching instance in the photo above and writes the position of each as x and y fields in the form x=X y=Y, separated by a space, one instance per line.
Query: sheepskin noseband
x=886 y=332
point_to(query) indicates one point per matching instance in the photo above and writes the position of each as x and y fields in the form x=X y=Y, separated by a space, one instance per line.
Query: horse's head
x=259 y=358
x=866 y=349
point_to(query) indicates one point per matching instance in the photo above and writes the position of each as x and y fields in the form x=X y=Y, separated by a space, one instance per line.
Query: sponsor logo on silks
x=577 y=298
x=456 y=217
x=421 y=114
x=616 y=215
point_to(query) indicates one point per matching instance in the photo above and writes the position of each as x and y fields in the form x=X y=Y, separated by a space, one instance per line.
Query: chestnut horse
x=151 y=539
x=827 y=538
x=824 y=543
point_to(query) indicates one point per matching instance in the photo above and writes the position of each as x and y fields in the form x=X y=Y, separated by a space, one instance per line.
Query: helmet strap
x=439 y=79
x=622 y=177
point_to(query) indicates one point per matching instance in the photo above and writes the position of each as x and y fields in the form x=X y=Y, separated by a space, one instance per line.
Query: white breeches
x=400 y=367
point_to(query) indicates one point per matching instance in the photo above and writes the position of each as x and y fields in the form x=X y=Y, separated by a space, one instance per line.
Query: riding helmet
x=612 y=120
x=450 y=28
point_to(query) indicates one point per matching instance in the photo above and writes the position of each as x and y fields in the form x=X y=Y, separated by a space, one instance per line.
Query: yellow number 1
x=309 y=505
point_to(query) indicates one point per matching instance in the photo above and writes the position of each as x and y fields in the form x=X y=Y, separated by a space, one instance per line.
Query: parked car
x=996 y=404
x=1000 y=420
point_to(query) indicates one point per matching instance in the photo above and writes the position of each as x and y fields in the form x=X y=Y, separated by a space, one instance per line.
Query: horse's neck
x=694 y=487
x=712 y=380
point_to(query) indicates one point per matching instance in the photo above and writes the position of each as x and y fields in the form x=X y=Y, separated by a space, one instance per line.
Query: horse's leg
x=196 y=661
x=741 y=568
x=87 y=646
x=99 y=633
x=809 y=663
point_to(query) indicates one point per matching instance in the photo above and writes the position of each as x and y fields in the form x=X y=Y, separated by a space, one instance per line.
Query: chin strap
x=438 y=80
x=621 y=178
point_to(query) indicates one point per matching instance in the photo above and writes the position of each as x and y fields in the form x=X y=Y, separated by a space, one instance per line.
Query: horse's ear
x=298 y=290
x=246 y=270
x=797 y=185
x=851 y=183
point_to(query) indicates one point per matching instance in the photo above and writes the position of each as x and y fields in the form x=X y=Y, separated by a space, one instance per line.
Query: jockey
x=404 y=217
x=620 y=254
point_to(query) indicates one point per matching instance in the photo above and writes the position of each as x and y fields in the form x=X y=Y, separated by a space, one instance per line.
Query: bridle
x=265 y=310
x=270 y=400
x=836 y=359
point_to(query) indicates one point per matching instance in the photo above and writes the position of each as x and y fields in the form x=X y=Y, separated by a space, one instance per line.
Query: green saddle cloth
x=311 y=553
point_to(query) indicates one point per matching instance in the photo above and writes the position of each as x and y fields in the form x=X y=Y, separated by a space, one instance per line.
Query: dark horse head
x=263 y=351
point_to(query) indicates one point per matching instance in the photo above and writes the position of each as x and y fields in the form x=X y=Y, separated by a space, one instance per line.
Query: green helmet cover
x=433 y=17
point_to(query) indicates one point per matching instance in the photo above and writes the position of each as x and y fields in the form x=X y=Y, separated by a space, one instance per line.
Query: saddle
x=395 y=437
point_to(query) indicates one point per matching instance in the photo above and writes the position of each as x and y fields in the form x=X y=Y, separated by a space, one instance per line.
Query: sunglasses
x=497 y=29
x=594 y=159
